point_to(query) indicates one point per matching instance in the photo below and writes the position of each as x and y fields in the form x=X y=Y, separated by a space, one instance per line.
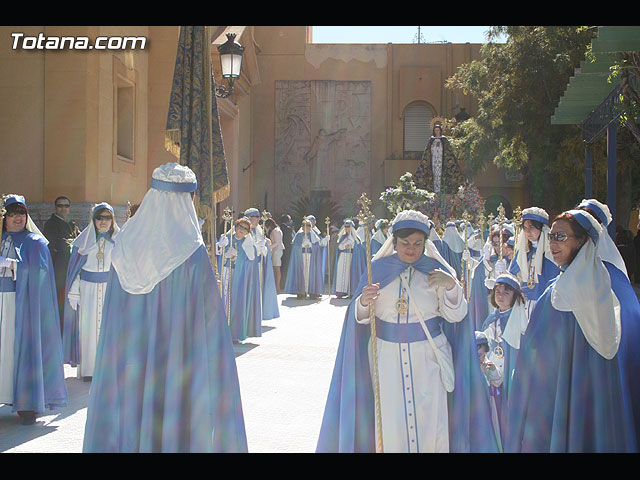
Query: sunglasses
x=103 y=217
x=16 y=213
x=559 y=237
x=63 y=205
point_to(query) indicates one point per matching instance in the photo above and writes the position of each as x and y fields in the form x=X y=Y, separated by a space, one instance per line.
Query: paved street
x=284 y=380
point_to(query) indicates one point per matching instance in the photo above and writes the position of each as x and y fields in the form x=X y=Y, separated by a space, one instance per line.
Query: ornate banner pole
x=3 y=212
x=327 y=222
x=465 y=264
x=517 y=221
x=227 y=216
x=501 y=218
x=365 y=216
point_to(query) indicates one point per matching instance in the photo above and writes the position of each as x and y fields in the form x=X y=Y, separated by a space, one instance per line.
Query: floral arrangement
x=467 y=198
x=405 y=196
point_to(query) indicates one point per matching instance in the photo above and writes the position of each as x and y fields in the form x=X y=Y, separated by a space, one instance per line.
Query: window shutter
x=417 y=127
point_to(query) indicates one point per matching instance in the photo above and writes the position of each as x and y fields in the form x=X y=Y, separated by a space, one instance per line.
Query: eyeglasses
x=559 y=237
x=63 y=205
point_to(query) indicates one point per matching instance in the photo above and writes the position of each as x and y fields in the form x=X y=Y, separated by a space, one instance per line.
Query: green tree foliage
x=517 y=85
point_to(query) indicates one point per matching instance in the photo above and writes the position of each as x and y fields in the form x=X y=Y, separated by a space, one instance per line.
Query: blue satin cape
x=38 y=382
x=565 y=397
x=348 y=421
x=549 y=271
x=270 y=308
x=165 y=378
x=246 y=309
x=294 y=283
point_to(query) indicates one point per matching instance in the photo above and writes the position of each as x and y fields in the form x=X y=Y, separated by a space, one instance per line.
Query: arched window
x=417 y=127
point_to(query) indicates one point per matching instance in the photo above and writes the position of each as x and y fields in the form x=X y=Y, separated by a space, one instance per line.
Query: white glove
x=501 y=267
x=306 y=244
x=231 y=253
x=223 y=242
x=73 y=301
x=6 y=262
x=261 y=247
x=324 y=241
x=466 y=256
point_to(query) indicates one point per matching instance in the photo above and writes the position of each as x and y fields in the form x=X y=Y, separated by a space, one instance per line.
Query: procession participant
x=274 y=234
x=503 y=329
x=31 y=367
x=533 y=263
x=305 y=276
x=456 y=246
x=628 y=354
x=417 y=301
x=566 y=394
x=350 y=262
x=381 y=235
x=238 y=261
x=483 y=276
x=86 y=285
x=267 y=283
x=165 y=377
x=315 y=229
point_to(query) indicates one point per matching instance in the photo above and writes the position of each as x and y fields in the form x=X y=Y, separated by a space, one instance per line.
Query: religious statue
x=439 y=171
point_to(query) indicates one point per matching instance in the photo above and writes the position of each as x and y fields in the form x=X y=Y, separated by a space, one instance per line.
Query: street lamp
x=231 y=62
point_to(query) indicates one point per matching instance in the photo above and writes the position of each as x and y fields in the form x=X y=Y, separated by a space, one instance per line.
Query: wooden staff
x=365 y=218
x=327 y=222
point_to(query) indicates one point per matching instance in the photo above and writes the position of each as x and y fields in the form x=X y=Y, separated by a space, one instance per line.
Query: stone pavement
x=284 y=380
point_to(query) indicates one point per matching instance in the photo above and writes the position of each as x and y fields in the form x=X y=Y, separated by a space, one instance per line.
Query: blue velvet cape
x=348 y=421
x=246 y=309
x=294 y=283
x=38 y=382
x=358 y=266
x=165 y=378
x=564 y=397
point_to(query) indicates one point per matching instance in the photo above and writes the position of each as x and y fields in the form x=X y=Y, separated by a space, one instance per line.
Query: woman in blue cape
x=426 y=349
x=502 y=329
x=165 y=378
x=628 y=353
x=567 y=394
x=484 y=274
x=381 y=235
x=350 y=262
x=305 y=274
x=85 y=287
x=31 y=368
x=268 y=291
x=238 y=263
x=533 y=263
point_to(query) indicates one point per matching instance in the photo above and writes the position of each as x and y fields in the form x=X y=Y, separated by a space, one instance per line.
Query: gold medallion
x=402 y=305
x=99 y=255
x=498 y=352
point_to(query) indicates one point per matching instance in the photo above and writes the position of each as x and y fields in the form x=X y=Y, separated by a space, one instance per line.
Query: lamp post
x=231 y=63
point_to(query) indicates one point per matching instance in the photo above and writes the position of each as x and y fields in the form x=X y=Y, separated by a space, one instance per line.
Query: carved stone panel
x=323 y=141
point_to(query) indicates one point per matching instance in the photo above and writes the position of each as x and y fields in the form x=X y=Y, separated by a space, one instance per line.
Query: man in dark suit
x=60 y=233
